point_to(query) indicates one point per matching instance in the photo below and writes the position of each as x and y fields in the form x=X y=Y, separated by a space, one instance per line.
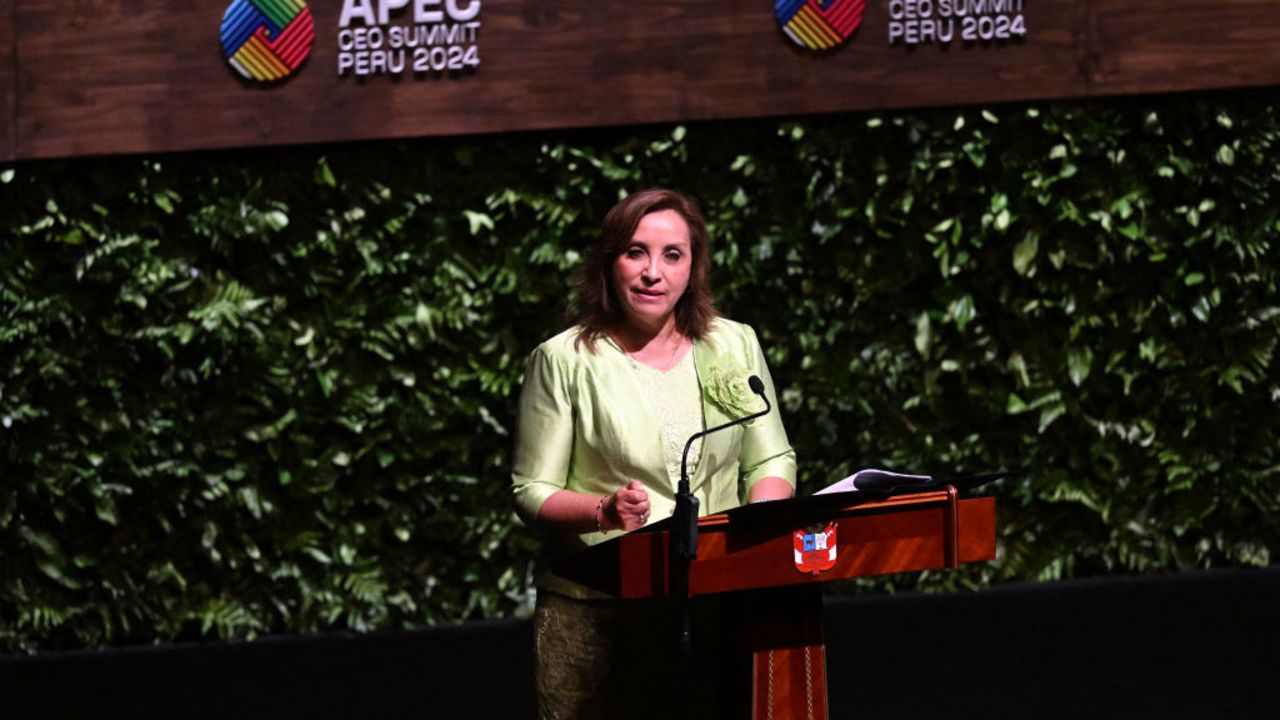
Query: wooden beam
x=102 y=78
x=8 y=80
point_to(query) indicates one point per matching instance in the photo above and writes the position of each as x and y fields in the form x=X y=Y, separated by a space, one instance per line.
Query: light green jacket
x=585 y=425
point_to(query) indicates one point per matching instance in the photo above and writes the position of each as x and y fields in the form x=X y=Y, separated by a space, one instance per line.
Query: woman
x=605 y=412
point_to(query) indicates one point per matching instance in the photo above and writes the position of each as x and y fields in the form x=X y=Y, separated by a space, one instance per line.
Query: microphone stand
x=684 y=545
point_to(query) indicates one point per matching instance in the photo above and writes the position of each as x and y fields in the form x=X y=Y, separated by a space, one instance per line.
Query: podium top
x=761 y=545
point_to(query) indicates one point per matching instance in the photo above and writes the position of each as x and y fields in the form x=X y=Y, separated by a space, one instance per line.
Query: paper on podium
x=863 y=487
x=875 y=480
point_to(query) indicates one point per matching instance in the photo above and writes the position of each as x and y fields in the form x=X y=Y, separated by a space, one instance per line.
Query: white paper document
x=874 y=479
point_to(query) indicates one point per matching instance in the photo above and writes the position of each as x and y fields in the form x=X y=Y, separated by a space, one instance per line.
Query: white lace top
x=677 y=404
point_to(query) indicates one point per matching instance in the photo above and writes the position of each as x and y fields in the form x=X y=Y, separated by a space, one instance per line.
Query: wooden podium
x=759 y=549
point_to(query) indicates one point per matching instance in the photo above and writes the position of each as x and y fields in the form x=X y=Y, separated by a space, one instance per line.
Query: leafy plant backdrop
x=272 y=391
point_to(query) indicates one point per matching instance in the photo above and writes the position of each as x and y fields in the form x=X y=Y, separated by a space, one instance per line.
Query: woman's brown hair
x=597 y=308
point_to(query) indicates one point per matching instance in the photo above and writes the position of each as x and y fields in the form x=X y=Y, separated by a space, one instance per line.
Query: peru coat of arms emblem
x=815 y=548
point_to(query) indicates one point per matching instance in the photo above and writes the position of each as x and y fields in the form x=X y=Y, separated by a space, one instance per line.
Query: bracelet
x=600 y=513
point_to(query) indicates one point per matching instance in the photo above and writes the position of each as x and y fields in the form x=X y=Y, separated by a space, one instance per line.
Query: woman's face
x=652 y=273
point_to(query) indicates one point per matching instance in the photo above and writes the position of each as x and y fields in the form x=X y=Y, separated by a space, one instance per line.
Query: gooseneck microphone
x=686 y=513
x=684 y=546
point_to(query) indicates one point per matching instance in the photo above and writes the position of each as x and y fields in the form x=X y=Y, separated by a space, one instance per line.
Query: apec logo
x=267 y=40
x=819 y=24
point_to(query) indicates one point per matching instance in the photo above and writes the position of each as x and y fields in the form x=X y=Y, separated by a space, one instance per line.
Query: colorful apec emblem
x=815 y=548
x=819 y=24
x=267 y=40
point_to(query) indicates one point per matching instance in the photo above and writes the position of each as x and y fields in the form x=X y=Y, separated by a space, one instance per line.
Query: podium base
x=788 y=655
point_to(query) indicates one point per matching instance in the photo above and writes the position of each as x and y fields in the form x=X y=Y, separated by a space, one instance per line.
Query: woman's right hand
x=627 y=508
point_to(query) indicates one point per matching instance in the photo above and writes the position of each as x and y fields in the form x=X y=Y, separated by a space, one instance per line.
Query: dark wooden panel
x=104 y=76
x=8 y=60
x=1143 y=46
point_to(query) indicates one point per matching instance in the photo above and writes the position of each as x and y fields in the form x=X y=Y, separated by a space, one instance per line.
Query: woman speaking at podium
x=605 y=412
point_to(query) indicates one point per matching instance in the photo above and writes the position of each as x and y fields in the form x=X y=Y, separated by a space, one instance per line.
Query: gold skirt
x=620 y=659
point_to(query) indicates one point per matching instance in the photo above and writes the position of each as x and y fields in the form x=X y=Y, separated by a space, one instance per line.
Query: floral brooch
x=726 y=385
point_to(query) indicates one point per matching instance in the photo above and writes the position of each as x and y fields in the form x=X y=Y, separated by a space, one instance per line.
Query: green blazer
x=585 y=425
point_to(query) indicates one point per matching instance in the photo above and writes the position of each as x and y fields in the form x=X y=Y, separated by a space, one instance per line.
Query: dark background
x=1197 y=645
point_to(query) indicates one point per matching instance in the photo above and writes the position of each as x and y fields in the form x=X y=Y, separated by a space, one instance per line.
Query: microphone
x=685 y=542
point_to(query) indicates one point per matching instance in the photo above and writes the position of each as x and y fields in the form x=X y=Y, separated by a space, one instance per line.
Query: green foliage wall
x=272 y=390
